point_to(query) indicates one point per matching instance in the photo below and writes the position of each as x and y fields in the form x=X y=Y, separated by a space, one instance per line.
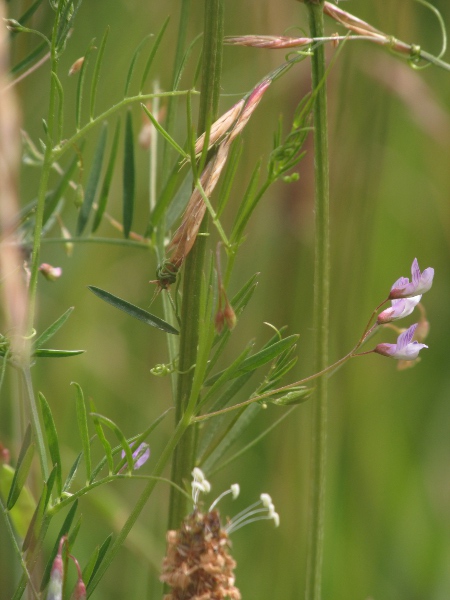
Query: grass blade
x=52 y=201
x=128 y=176
x=83 y=429
x=104 y=193
x=52 y=441
x=133 y=311
x=153 y=53
x=92 y=183
x=102 y=438
x=132 y=64
x=80 y=86
x=49 y=353
x=120 y=436
x=101 y=555
x=22 y=469
x=50 y=331
x=96 y=75
x=65 y=527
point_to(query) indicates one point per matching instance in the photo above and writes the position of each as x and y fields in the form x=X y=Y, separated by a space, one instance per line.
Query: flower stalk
x=321 y=306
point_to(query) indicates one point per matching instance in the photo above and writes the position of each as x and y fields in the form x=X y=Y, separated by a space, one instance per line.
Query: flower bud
x=50 y=273
x=76 y=66
x=219 y=321
x=229 y=316
x=55 y=588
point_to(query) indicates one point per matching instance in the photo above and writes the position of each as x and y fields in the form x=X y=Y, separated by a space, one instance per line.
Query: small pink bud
x=219 y=321
x=55 y=588
x=76 y=66
x=50 y=273
x=79 y=593
x=230 y=316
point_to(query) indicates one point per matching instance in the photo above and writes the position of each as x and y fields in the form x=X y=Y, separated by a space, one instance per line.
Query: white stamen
x=235 y=490
x=266 y=500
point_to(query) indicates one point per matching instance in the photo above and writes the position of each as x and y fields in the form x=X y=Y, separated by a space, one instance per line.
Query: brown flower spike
x=198 y=565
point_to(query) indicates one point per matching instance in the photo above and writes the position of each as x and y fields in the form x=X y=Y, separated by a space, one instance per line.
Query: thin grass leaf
x=83 y=429
x=102 y=438
x=60 y=115
x=50 y=353
x=235 y=431
x=96 y=74
x=48 y=333
x=251 y=444
x=54 y=197
x=136 y=440
x=29 y=12
x=72 y=473
x=120 y=436
x=89 y=568
x=164 y=133
x=38 y=522
x=153 y=54
x=260 y=358
x=101 y=555
x=128 y=176
x=104 y=193
x=229 y=175
x=133 y=311
x=22 y=469
x=94 y=178
x=133 y=62
x=64 y=530
x=52 y=441
x=80 y=87
x=180 y=200
x=247 y=206
x=25 y=62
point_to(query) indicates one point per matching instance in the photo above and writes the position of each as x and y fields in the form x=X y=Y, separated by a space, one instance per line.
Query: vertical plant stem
x=184 y=456
x=321 y=308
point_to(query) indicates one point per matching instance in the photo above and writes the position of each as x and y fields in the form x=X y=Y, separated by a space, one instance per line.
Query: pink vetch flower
x=420 y=283
x=140 y=456
x=405 y=348
x=401 y=307
x=50 y=273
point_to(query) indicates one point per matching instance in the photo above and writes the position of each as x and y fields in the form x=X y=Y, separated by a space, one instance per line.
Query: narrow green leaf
x=89 y=567
x=164 y=133
x=29 y=12
x=136 y=440
x=96 y=75
x=101 y=555
x=128 y=176
x=133 y=63
x=23 y=510
x=102 y=438
x=64 y=530
x=74 y=533
x=37 y=522
x=25 y=62
x=80 y=86
x=235 y=432
x=50 y=353
x=229 y=175
x=250 y=444
x=260 y=358
x=133 y=311
x=52 y=200
x=54 y=327
x=180 y=200
x=104 y=193
x=153 y=52
x=83 y=428
x=92 y=183
x=72 y=473
x=22 y=469
x=120 y=436
x=246 y=207
x=52 y=441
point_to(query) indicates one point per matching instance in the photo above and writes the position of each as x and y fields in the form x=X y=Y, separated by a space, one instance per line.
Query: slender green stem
x=183 y=460
x=321 y=307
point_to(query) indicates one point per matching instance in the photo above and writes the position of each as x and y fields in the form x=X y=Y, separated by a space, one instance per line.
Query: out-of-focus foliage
x=388 y=523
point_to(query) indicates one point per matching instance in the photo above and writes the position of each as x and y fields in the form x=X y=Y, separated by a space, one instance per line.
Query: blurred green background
x=388 y=492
